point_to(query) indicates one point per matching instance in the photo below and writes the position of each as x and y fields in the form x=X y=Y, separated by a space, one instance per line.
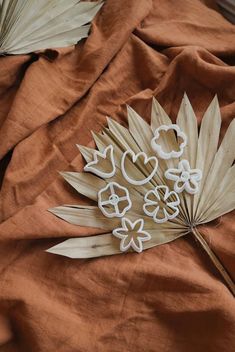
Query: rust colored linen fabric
x=167 y=299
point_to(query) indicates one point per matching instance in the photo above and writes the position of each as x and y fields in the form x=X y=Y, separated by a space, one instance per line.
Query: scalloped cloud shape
x=158 y=148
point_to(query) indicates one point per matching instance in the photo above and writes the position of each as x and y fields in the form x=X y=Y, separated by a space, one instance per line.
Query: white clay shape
x=93 y=166
x=159 y=204
x=134 y=158
x=111 y=203
x=185 y=178
x=158 y=148
x=132 y=235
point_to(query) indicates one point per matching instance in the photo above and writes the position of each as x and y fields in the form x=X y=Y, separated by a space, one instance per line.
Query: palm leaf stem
x=227 y=278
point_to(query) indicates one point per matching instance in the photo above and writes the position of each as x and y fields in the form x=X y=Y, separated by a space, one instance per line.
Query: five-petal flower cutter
x=152 y=183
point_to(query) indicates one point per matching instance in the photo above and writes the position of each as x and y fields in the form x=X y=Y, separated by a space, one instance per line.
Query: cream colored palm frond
x=32 y=25
x=152 y=183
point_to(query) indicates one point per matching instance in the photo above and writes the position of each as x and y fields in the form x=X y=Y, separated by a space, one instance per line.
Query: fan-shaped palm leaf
x=31 y=25
x=216 y=195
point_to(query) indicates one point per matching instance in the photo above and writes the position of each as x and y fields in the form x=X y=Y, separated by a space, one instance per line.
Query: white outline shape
x=116 y=213
x=195 y=175
x=157 y=147
x=134 y=157
x=173 y=205
x=132 y=243
x=89 y=167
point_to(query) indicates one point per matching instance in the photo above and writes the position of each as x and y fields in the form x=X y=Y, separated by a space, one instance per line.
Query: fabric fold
x=169 y=298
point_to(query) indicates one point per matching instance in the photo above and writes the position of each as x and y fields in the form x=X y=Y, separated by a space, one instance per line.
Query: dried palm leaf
x=31 y=25
x=125 y=169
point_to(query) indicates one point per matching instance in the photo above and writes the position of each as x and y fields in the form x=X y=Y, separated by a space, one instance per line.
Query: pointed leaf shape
x=207 y=145
x=91 y=216
x=225 y=198
x=140 y=130
x=86 y=184
x=158 y=116
x=107 y=244
x=187 y=121
x=86 y=152
x=223 y=160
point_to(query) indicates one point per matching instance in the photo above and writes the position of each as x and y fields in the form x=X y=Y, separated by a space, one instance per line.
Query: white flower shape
x=185 y=178
x=158 y=148
x=114 y=200
x=97 y=165
x=145 y=160
x=161 y=204
x=132 y=235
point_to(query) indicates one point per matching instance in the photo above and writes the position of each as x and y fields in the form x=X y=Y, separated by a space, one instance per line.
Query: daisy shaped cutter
x=161 y=204
x=102 y=161
x=185 y=178
x=132 y=235
x=158 y=148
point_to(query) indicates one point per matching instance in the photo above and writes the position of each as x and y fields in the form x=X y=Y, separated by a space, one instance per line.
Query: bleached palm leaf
x=216 y=195
x=107 y=244
x=31 y=25
x=187 y=121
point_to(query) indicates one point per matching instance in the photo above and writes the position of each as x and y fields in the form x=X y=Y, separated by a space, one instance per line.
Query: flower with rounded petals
x=132 y=235
x=114 y=200
x=159 y=149
x=185 y=178
x=161 y=204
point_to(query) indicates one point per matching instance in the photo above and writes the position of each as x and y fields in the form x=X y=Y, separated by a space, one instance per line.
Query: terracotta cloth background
x=169 y=298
